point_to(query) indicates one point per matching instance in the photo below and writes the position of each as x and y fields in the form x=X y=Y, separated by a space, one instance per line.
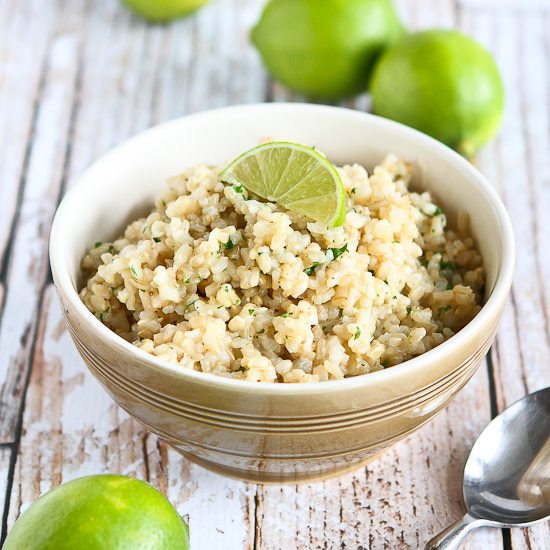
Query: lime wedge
x=294 y=176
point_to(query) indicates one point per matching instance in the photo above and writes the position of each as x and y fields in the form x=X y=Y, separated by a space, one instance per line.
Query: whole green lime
x=160 y=11
x=99 y=513
x=444 y=84
x=325 y=49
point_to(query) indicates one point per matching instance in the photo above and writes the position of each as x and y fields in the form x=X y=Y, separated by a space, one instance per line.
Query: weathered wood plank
x=163 y=71
x=23 y=45
x=70 y=426
x=220 y=511
x=519 y=162
x=423 y=14
x=396 y=502
x=6 y=455
x=134 y=75
x=29 y=264
x=524 y=5
x=111 y=84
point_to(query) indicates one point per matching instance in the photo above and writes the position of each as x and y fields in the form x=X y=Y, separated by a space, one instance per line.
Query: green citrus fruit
x=444 y=84
x=163 y=10
x=293 y=175
x=325 y=48
x=99 y=513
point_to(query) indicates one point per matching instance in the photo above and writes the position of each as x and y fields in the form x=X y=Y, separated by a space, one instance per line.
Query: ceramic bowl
x=275 y=432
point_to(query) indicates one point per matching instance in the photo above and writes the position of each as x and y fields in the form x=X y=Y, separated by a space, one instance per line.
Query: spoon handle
x=452 y=537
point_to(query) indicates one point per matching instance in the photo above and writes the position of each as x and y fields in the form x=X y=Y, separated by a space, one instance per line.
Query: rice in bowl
x=216 y=281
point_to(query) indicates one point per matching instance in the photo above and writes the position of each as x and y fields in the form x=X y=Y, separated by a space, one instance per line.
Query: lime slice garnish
x=294 y=176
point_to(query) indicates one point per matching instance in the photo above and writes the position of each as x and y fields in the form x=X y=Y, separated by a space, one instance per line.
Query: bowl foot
x=271 y=478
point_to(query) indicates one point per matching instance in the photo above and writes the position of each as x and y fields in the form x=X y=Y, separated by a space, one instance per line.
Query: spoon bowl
x=507 y=475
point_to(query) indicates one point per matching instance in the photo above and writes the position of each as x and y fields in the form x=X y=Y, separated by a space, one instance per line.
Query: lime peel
x=325 y=49
x=444 y=84
x=294 y=176
x=98 y=512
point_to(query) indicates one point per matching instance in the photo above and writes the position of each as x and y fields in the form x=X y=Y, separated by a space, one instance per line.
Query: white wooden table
x=79 y=76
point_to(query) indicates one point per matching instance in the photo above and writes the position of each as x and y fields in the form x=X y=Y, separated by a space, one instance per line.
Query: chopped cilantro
x=107 y=309
x=189 y=305
x=285 y=315
x=336 y=252
x=238 y=188
x=423 y=261
x=111 y=249
x=226 y=288
x=219 y=307
x=261 y=331
x=240 y=369
x=409 y=309
x=352 y=191
x=397 y=242
x=134 y=272
x=357 y=333
x=156 y=239
x=187 y=281
x=384 y=363
x=100 y=317
x=98 y=244
x=437 y=212
x=251 y=311
x=229 y=245
x=447 y=265
x=310 y=270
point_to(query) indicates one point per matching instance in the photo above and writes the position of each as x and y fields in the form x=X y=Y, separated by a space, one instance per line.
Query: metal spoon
x=507 y=475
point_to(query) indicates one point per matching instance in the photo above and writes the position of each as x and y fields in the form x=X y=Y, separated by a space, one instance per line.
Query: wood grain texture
x=398 y=501
x=41 y=180
x=81 y=76
x=23 y=49
x=523 y=5
x=6 y=455
x=518 y=161
x=70 y=426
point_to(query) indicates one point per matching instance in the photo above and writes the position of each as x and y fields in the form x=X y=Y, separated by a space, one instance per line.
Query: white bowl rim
x=498 y=295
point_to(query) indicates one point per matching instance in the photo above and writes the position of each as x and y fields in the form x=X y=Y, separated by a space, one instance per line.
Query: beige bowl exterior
x=276 y=432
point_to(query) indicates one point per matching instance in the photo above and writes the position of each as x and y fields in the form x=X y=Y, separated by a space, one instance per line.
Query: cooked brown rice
x=215 y=281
